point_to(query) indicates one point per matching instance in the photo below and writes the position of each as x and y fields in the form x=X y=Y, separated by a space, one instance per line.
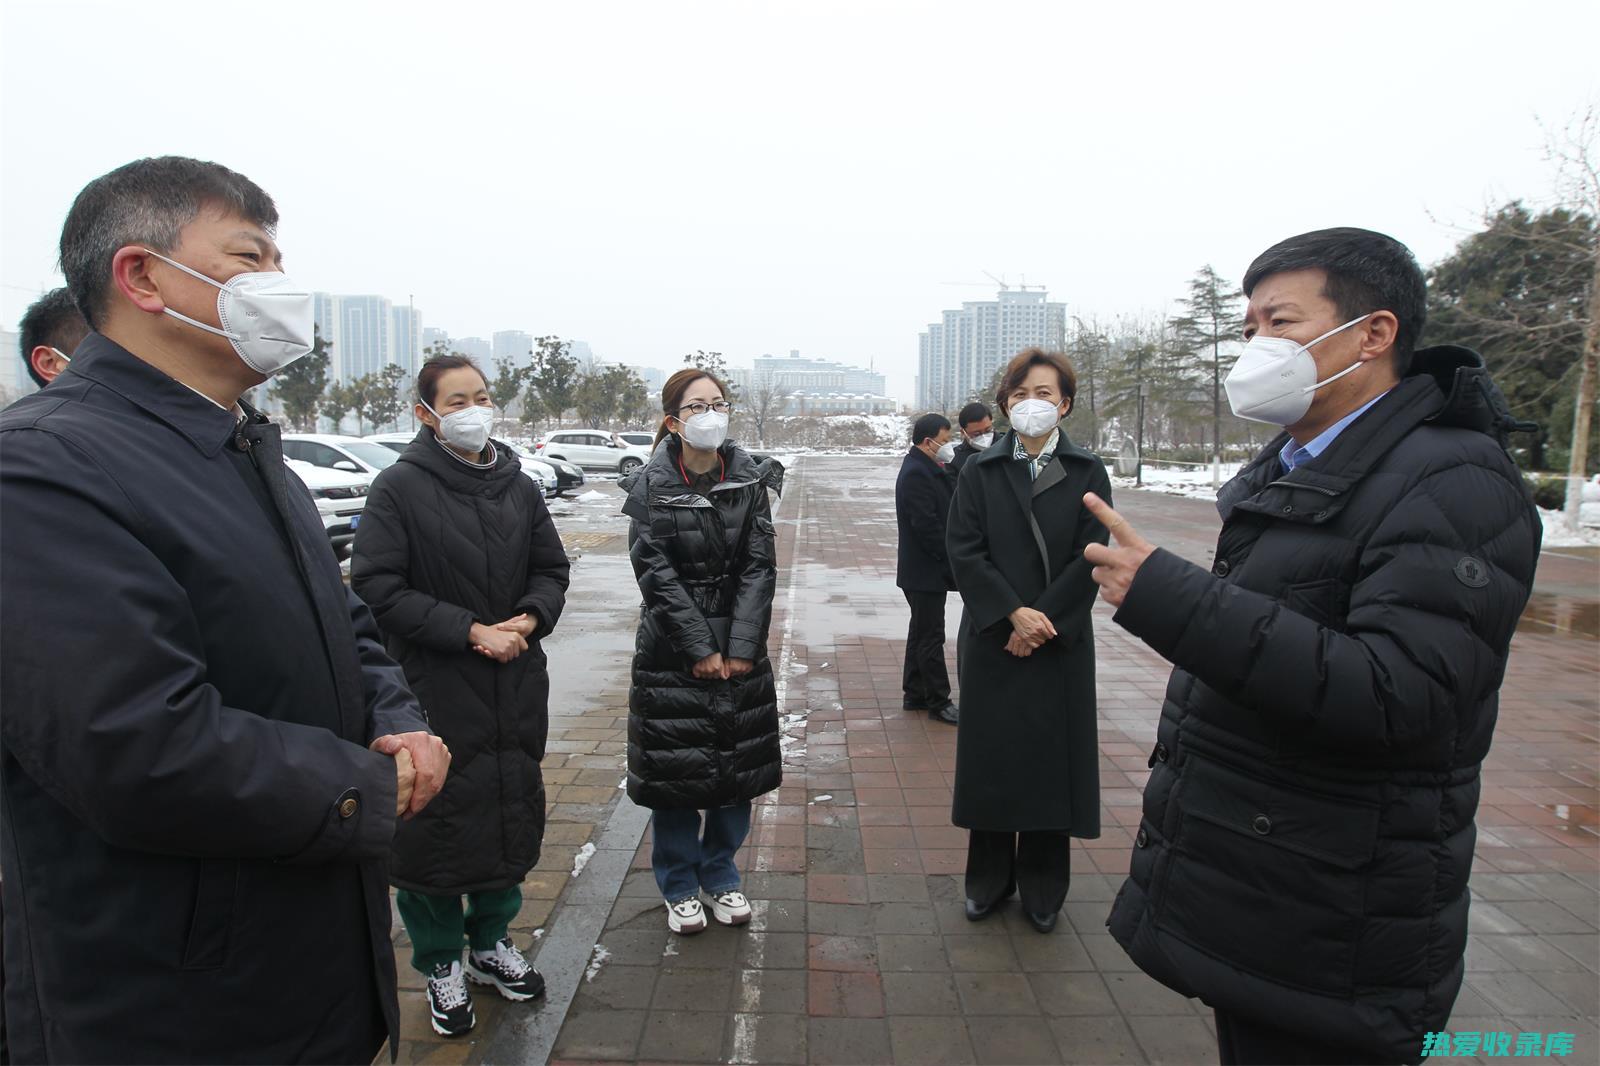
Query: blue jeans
x=685 y=862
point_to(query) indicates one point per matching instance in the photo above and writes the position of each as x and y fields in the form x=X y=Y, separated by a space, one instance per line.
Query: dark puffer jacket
x=707 y=569
x=1308 y=824
x=441 y=546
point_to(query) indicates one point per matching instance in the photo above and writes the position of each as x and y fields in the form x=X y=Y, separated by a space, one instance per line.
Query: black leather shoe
x=977 y=912
x=949 y=713
x=1043 y=922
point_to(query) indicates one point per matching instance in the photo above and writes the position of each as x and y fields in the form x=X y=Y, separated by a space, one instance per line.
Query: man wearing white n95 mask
x=205 y=749
x=1301 y=865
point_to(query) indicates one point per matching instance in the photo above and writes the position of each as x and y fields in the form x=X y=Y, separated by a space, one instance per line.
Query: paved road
x=859 y=951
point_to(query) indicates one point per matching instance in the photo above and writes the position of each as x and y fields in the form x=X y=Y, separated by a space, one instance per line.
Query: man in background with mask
x=50 y=330
x=977 y=433
x=1302 y=861
x=922 y=495
x=204 y=749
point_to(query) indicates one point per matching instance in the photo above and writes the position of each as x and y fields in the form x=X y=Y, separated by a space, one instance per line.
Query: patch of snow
x=594 y=496
x=672 y=947
x=1560 y=533
x=824 y=798
x=580 y=860
x=824 y=666
x=600 y=956
x=797 y=669
x=538 y=934
x=1191 y=481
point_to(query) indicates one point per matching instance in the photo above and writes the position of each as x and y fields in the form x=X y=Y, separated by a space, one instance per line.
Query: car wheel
x=628 y=465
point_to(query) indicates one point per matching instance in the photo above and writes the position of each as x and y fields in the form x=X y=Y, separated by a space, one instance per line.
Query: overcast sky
x=754 y=177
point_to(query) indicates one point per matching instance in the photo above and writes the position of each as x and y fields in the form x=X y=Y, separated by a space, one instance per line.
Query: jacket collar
x=108 y=364
x=426 y=451
x=661 y=481
x=1004 y=447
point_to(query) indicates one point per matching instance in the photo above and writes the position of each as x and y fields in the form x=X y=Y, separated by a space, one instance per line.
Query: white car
x=638 y=437
x=543 y=474
x=353 y=455
x=339 y=496
x=593 y=449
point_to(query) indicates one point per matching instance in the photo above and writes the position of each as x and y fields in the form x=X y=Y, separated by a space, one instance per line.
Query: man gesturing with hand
x=1302 y=861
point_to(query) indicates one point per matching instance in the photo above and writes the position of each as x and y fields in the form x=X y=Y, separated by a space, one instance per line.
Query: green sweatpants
x=437 y=926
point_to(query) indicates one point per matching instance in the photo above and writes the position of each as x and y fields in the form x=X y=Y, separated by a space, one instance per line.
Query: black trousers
x=926 y=682
x=1243 y=1041
x=1039 y=865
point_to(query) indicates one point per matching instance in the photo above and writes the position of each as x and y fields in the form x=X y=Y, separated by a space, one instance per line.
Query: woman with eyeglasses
x=702 y=709
x=465 y=573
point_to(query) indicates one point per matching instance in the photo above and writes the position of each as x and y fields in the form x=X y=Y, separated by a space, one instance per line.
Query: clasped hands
x=503 y=641
x=421 y=761
x=714 y=666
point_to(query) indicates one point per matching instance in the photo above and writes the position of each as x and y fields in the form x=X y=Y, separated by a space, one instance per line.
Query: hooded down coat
x=442 y=545
x=707 y=569
x=1308 y=823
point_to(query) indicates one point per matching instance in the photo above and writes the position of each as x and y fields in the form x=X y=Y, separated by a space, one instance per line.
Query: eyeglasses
x=722 y=407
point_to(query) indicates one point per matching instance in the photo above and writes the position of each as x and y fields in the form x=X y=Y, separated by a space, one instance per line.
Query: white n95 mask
x=705 y=431
x=467 y=429
x=946 y=452
x=267 y=318
x=1034 y=418
x=1274 y=378
x=983 y=440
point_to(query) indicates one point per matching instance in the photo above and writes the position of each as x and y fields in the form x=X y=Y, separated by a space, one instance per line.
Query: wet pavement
x=858 y=950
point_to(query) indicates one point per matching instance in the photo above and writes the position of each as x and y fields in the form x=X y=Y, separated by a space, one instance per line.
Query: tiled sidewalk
x=859 y=951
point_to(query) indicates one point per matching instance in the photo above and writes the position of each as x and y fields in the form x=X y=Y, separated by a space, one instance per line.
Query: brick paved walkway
x=859 y=951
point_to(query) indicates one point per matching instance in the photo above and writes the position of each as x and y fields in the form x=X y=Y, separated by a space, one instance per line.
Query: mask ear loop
x=1353 y=366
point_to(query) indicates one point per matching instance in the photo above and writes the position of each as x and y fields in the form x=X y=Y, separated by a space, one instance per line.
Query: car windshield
x=374 y=455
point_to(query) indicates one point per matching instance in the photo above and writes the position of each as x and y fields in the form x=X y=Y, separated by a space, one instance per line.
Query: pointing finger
x=1115 y=524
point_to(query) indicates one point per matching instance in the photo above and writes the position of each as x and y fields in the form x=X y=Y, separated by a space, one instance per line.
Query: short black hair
x=148 y=202
x=1366 y=271
x=928 y=425
x=53 y=320
x=976 y=411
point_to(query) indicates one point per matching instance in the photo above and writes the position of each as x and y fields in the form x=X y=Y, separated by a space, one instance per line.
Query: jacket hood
x=430 y=454
x=662 y=476
x=1471 y=398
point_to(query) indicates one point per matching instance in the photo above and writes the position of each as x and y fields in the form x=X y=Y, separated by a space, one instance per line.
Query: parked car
x=542 y=472
x=593 y=449
x=340 y=497
x=637 y=437
x=354 y=455
x=564 y=476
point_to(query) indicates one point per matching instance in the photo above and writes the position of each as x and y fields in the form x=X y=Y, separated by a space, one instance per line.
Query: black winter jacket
x=440 y=546
x=194 y=831
x=707 y=569
x=1308 y=824
x=922 y=495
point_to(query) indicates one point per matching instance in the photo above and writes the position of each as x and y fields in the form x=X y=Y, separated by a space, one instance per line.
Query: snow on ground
x=1559 y=533
x=1191 y=481
x=594 y=496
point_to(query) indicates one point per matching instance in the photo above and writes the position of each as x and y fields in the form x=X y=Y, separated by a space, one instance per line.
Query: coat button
x=1262 y=824
x=348 y=807
x=1287 y=509
x=1321 y=515
x=1141 y=838
x=1221 y=568
x=1161 y=753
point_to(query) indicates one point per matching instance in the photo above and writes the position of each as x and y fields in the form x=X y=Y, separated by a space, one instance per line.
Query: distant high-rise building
x=405 y=338
x=475 y=347
x=957 y=357
x=513 y=344
x=367 y=333
x=15 y=382
x=820 y=386
x=584 y=354
x=434 y=337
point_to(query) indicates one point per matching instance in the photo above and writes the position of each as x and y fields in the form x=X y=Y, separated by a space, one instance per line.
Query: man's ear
x=1380 y=332
x=45 y=362
x=130 y=273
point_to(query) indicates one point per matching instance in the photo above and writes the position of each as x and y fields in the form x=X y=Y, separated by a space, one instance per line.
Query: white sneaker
x=686 y=916
x=730 y=908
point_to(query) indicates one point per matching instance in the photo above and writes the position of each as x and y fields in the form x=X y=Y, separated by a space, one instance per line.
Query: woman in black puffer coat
x=464 y=571
x=702 y=712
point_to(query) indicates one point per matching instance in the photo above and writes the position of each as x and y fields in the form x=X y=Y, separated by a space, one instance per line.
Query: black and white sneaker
x=449 y=1003
x=506 y=970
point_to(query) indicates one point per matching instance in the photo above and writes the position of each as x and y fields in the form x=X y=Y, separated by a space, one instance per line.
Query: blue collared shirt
x=1294 y=455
